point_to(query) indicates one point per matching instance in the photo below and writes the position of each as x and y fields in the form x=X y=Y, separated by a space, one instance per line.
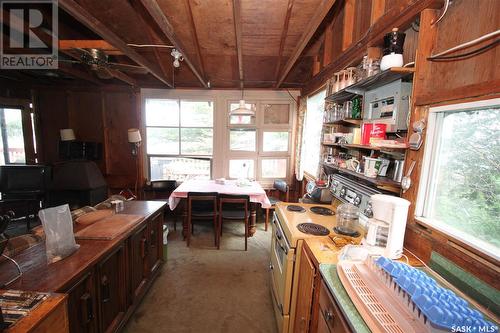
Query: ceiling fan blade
x=69 y=61
x=128 y=68
x=104 y=73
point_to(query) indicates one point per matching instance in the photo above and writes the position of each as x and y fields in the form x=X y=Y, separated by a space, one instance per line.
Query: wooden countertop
x=33 y=320
x=40 y=276
x=326 y=252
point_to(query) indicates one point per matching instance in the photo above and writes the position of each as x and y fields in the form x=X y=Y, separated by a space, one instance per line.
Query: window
x=311 y=137
x=260 y=146
x=179 y=138
x=460 y=182
x=11 y=138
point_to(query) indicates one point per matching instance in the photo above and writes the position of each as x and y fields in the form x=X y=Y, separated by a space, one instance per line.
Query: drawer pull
x=86 y=308
x=328 y=315
x=144 y=247
x=105 y=292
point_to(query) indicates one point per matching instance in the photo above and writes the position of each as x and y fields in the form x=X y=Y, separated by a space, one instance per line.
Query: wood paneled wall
x=435 y=83
x=98 y=115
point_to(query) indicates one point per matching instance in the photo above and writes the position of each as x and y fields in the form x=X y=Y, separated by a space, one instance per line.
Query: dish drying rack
x=394 y=297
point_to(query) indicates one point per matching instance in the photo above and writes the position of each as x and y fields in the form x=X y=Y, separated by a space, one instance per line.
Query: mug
x=372 y=165
x=384 y=165
x=352 y=164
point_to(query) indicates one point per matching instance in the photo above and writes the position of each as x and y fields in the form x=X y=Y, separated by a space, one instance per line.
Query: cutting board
x=109 y=227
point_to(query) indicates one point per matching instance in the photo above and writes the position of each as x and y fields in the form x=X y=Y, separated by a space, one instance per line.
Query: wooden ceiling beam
x=68 y=44
x=237 y=31
x=82 y=15
x=309 y=31
x=195 y=37
x=284 y=34
x=166 y=27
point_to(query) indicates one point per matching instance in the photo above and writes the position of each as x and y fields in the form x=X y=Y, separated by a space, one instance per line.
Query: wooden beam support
x=82 y=15
x=68 y=44
x=194 y=33
x=378 y=9
x=284 y=34
x=399 y=16
x=163 y=23
x=349 y=18
x=309 y=31
x=79 y=74
x=237 y=32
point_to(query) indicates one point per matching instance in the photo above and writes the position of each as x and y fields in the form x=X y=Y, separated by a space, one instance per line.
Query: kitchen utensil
x=406 y=181
x=352 y=164
x=384 y=165
x=398 y=170
x=372 y=166
x=386 y=229
x=347 y=220
x=393 y=49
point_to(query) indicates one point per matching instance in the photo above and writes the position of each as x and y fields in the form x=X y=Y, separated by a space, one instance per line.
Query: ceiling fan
x=97 y=60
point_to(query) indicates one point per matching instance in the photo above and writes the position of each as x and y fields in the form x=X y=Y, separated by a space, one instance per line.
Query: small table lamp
x=134 y=138
x=67 y=134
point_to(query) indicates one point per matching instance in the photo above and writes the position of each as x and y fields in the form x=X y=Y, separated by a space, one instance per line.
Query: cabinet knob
x=328 y=315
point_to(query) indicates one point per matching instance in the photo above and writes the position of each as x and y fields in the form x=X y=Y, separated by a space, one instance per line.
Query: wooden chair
x=160 y=190
x=202 y=206
x=234 y=207
x=281 y=187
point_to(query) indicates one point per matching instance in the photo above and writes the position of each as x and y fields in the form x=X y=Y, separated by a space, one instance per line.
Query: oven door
x=282 y=263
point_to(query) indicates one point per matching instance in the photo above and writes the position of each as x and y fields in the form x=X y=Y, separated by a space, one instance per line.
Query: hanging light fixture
x=242 y=109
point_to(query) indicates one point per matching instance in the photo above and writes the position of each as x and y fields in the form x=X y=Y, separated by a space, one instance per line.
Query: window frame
x=307 y=174
x=260 y=127
x=180 y=127
x=427 y=185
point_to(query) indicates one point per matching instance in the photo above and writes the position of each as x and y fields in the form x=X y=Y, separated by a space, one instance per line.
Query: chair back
x=281 y=186
x=202 y=201
x=163 y=185
x=234 y=202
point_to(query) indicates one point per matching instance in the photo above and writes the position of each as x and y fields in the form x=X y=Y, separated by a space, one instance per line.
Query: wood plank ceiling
x=225 y=43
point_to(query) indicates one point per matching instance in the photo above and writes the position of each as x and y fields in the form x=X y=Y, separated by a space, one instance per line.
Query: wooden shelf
x=331 y=144
x=340 y=96
x=372 y=82
x=348 y=121
x=383 y=183
x=380 y=79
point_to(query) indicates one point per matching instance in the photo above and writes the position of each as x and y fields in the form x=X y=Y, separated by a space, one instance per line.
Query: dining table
x=251 y=188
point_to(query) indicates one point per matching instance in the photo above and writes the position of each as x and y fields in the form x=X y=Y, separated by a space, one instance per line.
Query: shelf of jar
x=372 y=82
x=347 y=121
x=365 y=147
x=383 y=183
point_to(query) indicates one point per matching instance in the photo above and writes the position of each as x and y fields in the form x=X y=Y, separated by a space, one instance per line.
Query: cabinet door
x=111 y=289
x=139 y=269
x=305 y=290
x=322 y=325
x=330 y=312
x=155 y=241
x=82 y=305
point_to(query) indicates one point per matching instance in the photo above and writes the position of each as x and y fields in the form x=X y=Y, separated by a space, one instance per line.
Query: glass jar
x=347 y=220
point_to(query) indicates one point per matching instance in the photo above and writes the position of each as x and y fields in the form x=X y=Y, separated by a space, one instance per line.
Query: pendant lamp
x=242 y=109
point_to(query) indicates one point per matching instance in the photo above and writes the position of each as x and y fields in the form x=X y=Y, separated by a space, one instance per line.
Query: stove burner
x=321 y=210
x=345 y=231
x=295 y=208
x=313 y=229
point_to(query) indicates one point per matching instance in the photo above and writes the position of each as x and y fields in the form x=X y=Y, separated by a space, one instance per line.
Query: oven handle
x=282 y=240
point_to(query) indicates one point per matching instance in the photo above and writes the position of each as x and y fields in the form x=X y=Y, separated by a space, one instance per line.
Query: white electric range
x=292 y=223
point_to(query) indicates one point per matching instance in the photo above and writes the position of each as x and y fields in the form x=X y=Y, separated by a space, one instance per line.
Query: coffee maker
x=385 y=231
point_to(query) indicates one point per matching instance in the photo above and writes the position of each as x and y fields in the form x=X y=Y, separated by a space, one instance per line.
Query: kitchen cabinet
x=316 y=311
x=111 y=289
x=329 y=312
x=155 y=241
x=105 y=279
x=82 y=305
x=307 y=273
x=139 y=268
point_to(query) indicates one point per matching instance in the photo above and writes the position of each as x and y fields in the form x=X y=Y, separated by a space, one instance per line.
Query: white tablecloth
x=253 y=190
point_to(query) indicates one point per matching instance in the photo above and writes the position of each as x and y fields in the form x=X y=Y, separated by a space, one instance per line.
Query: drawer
x=330 y=312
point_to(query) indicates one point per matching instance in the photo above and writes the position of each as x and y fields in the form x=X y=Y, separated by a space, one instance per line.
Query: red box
x=372 y=131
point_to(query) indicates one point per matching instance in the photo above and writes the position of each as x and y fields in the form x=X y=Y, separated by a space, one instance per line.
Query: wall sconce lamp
x=67 y=134
x=134 y=138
